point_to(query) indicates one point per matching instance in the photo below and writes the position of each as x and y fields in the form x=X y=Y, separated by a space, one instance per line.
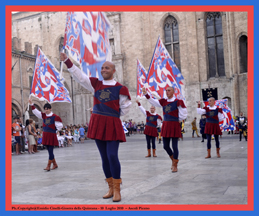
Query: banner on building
x=46 y=81
x=87 y=40
x=209 y=92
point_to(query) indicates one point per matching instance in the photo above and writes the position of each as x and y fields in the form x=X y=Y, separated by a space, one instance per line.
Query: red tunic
x=151 y=124
x=212 y=121
x=171 y=126
x=49 y=136
x=105 y=123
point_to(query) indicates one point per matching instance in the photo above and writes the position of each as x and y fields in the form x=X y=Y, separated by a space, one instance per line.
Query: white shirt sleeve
x=125 y=103
x=159 y=122
x=142 y=109
x=58 y=125
x=80 y=77
x=201 y=111
x=154 y=102
x=182 y=113
x=37 y=113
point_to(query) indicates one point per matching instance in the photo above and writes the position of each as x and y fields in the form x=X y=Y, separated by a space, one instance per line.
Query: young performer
x=213 y=116
x=111 y=100
x=153 y=120
x=174 y=111
x=51 y=123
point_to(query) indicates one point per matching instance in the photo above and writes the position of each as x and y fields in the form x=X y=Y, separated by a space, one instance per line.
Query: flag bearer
x=51 y=123
x=213 y=116
x=174 y=111
x=111 y=100
x=153 y=120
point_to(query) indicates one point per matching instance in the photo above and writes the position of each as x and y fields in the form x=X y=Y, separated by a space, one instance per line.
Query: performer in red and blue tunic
x=111 y=100
x=153 y=121
x=214 y=115
x=174 y=112
x=51 y=123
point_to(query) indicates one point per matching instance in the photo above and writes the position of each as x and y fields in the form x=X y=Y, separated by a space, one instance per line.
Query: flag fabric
x=163 y=73
x=87 y=40
x=124 y=128
x=228 y=123
x=46 y=81
x=141 y=78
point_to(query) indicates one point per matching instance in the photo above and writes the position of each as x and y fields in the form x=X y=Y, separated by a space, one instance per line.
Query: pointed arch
x=242 y=43
x=171 y=38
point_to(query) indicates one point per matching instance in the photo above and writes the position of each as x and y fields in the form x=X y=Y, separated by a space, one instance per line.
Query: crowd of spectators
x=29 y=136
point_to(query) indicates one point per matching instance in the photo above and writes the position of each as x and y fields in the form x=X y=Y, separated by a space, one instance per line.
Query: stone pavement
x=79 y=178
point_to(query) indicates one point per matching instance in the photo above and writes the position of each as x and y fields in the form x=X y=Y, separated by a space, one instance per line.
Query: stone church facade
x=209 y=48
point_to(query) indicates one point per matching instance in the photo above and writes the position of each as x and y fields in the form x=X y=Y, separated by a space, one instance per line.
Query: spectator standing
x=194 y=128
x=202 y=127
x=32 y=135
x=22 y=146
x=76 y=135
x=241 y=119
x=16 y=128
x=27 y=135
x=182 y=128
x=82 y=134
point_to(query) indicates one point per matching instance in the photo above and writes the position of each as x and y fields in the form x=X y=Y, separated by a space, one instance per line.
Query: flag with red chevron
x=46 y=82
x=141 y=78
x=163 y=73
x=87 y=40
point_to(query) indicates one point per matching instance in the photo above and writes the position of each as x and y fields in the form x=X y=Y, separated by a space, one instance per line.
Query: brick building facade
x=188 y=36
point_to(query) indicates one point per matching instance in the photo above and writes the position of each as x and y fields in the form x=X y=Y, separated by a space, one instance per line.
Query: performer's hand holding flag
x=46 y=82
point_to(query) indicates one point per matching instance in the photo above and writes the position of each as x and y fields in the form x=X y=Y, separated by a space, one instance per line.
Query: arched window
x=229 y=103
x=60 y=46
x=243 y=53
x=215 y=44
x=171 y=33
x=15 y=111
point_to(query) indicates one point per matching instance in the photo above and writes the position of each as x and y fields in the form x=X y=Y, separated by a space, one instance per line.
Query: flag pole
x=61 y=67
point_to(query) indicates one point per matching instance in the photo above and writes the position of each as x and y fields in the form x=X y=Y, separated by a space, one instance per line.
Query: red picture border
x=175 y=207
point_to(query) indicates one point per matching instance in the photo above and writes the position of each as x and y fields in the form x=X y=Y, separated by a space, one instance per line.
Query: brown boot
x=154 y=153
x=48 y=166
x=208 y=156
x=172 y=158
x=149 y=153
x=116 y=190
x=175 y=162
x=54 y=164
x=109 y=194
x=218 y=152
